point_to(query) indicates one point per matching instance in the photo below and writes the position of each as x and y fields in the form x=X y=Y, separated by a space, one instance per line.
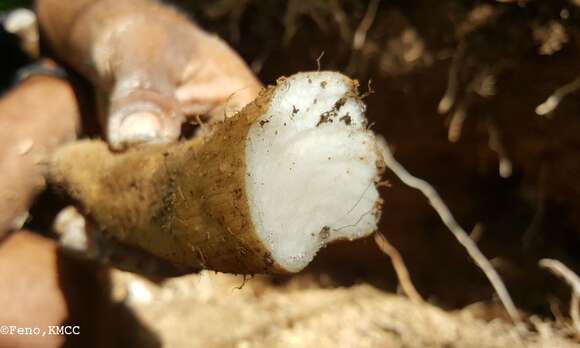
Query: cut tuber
x=261 y=193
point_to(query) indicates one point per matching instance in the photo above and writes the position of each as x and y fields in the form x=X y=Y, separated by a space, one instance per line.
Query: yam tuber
x=261 y=193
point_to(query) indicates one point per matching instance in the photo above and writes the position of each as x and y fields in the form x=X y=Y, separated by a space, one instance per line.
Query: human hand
x=151 y=67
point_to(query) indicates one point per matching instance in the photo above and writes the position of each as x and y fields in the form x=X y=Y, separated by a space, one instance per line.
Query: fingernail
x=140 y=127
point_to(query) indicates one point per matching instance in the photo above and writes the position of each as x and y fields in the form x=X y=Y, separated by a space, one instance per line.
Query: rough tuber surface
x=261 y=193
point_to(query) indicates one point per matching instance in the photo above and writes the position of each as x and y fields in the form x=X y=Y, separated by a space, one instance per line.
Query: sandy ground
x=209 y=310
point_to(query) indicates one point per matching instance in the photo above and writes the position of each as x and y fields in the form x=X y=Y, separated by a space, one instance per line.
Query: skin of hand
x=35 y=286
x=152 y=68
x=50 y=291
x=35 y=117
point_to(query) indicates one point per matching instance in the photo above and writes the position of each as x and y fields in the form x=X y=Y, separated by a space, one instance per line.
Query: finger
x=30 y=284
x=217 y=82
x=35 y=117
x=135 y=116
x=134 y=52
x=76 y=235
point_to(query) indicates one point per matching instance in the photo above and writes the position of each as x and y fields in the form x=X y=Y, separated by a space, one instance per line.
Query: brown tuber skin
x=184 y=203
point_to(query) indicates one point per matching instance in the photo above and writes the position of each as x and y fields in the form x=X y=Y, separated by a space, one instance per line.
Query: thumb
x=134 y=52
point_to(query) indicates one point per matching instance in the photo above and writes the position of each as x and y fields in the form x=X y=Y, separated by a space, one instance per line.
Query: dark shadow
x=12 y=59
x=86 y=287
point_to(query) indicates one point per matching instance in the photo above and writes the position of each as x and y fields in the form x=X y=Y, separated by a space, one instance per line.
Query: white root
x=495 y=144
x=456 y=123
x=449 y=99
x=360 y=34
x=462 y=237
x=400 y=268
x=554 y=100
x=562 y=271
